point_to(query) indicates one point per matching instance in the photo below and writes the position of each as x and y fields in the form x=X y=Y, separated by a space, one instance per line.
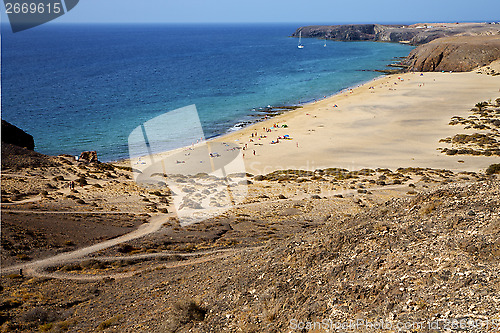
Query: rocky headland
x=415 y=34
x=457 y=47
x=457 y=54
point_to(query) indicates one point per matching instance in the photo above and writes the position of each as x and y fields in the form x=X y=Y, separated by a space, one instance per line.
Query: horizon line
x=6 y=22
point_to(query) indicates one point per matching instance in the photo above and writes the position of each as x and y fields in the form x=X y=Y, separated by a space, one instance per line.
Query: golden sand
x=391 y=122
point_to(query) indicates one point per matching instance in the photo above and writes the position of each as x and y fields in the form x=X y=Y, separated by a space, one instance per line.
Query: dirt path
x=71 y=212
x=38 y=267
x=201 y=257
x=31 y=267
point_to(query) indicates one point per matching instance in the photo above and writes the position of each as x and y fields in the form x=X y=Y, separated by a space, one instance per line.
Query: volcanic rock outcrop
x=16 y=136
x=457 y=54
x=416 y=34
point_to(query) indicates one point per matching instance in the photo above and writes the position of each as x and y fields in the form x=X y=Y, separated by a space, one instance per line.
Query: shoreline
x=391 y=121
x=393 y=138
x=228 y=132
x=287 y=109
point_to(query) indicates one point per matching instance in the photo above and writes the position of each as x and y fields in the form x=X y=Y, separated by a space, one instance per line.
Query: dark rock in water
x=88 y=157
x=16 y=136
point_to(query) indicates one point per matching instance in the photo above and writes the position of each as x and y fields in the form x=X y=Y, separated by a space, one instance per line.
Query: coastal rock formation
x=18 y=149
x=416 y=34
x=349 y=32
x=455 y=47
x=458 y=54
x=88 y=157
x=16 y=136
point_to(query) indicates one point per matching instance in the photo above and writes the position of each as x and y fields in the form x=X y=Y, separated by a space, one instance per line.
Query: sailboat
x=300 y=46
x=325 y=43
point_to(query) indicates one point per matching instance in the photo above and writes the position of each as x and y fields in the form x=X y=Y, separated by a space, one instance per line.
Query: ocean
x=86 y=87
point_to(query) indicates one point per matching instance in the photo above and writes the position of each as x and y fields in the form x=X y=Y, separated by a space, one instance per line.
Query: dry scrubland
x=400 y=245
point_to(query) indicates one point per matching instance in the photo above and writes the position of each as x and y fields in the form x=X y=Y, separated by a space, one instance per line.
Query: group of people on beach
x=257 y=136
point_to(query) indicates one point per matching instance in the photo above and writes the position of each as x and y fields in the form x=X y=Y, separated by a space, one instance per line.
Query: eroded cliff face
x=454 y=47
x=16 y=136
x=347 y=32
x=416 y=34
x=457 y=54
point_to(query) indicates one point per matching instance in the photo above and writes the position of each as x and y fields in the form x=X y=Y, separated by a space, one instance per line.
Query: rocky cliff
x=416 y=34
x=454 y=47
x=349 y=32
x=458 y=54
x=18 y=150
x=16 y=136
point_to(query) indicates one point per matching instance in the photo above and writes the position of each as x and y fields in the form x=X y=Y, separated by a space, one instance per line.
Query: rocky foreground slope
x=429 y=256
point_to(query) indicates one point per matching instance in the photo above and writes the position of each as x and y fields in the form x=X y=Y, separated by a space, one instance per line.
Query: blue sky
x=293 y=11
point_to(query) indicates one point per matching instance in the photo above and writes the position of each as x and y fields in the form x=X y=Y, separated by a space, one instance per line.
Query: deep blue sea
x=86 y=87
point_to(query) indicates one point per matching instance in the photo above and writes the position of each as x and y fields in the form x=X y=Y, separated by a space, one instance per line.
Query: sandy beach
x=391 y=122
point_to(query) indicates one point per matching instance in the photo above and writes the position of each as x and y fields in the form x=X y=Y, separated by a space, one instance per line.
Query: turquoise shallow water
x=80 y=87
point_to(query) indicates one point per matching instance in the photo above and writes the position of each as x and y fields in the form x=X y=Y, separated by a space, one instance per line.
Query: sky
x=279 y=11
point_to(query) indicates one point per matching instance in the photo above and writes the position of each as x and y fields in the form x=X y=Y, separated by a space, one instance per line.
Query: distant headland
x=441 y=46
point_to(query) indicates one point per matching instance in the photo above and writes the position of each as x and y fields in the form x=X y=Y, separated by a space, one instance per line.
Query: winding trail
x=31 y=268
x=200 y=257
x=38 y=267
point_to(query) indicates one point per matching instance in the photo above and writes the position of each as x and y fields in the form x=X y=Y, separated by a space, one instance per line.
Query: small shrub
x=481 y=105
x=82 y=181
x=39 y=314
x=46 y=327
x=71 y=267
x=126 y=168
x=125 y=248
x=494 y=168
x=426 y=210
x=10 y=303
x=188 y=311
x=23 y=256
x=105 y=166
x=108 y=323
